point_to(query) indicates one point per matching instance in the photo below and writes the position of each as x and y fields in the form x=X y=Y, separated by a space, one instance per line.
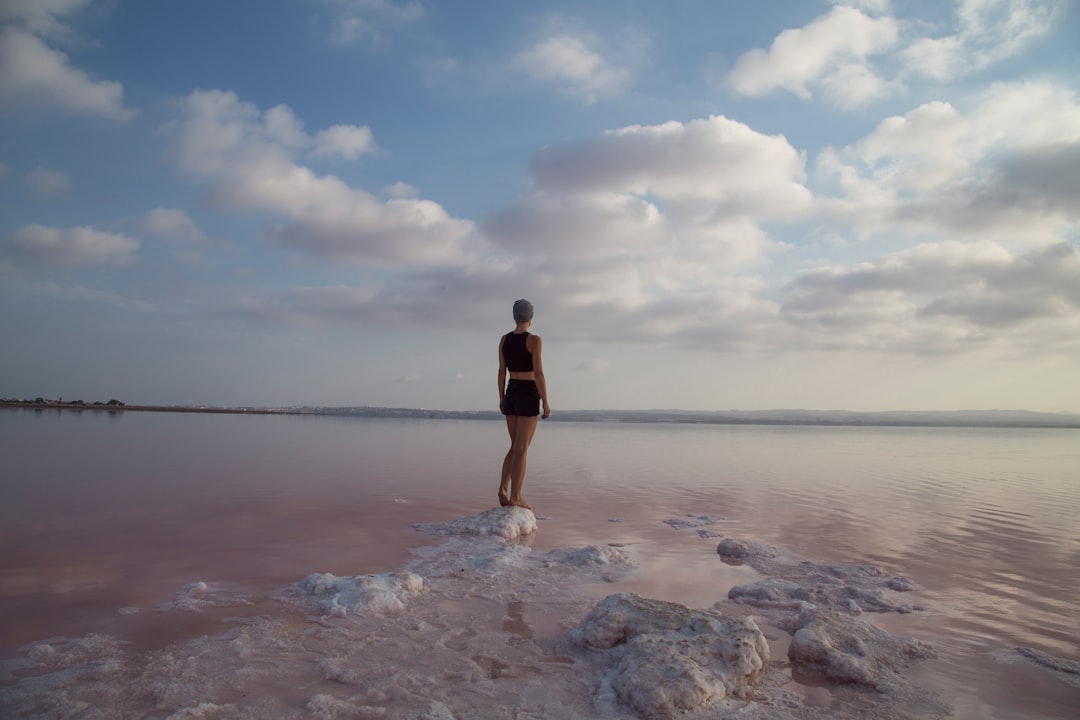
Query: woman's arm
x=538 y=371
x=502 y=373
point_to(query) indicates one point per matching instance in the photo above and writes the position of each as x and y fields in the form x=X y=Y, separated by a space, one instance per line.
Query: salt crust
x=848 y=587
x=203 y=711
x=591 y=555
x=197 y=597
x=816 y=603
x=672 y=658
x=848 y=650
x=692 y=521
x=338 y=596
x=507 y=523
x=327 y=707
x=472 y=644
x=1067 y=670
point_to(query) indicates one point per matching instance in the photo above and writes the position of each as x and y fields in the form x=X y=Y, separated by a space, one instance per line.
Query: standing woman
x=519 y=400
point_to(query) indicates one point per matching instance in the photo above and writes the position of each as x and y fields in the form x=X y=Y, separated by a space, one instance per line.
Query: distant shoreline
x=1018 y=419
x=106 y=408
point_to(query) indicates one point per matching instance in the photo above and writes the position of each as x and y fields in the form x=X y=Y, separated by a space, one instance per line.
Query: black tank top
x=517 y=356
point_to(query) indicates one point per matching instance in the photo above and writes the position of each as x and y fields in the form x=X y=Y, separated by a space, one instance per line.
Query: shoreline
x=793 y=418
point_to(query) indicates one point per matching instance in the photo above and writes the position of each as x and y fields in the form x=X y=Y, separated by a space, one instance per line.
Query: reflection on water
x=102 y=513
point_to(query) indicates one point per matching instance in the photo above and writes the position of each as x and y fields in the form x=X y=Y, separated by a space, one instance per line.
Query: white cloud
x=248 y=157
x=178 y=230
x=645 y=226
x=576 y=65
x=719 y=161
x=401 y=190
x=942 y=298
x=948 y=169
x=32 y=73
x=829 y=51
x=282 y=127
x=877 y=7
x=172 y=223
x=46 y=182
x=989 y=31
x=580 y=224
x=646 y=233
x=845 y=54
x=348 y=141
x=71 y=246
x=42 y=17
x=371 y=23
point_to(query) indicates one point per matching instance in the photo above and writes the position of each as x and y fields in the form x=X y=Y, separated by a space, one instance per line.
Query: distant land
x=898 y=418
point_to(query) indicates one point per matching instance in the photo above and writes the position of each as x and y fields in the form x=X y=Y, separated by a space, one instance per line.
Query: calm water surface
x=99 y=512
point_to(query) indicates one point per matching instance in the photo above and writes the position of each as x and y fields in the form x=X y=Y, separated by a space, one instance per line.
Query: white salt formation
x=851 y=588
x=338 y=596
x=481 y=627
x=815 y=604
x=731 y=548
x=471 y=557
x=670 y=658
x=1067 y=670
x=848 y=650
x=591 y=555
x=195 y=597
x=507 y=523
x=692 y=521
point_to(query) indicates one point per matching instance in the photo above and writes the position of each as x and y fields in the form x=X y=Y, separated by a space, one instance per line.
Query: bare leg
x=504 y=479
x=523 y=435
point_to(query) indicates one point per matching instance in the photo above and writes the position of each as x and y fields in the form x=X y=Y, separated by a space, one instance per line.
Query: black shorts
x=522 y=398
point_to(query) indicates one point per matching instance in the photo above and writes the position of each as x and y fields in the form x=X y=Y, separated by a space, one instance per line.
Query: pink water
x=103 y=512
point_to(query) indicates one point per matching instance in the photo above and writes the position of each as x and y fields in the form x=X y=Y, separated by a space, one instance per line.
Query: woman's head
x=523 y=311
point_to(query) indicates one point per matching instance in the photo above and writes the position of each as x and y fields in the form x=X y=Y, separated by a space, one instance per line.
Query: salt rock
x=900 y=584
x=327 y=707
x=486 y=555
x=851 y=587
x=671 y=658
x=507 y=523
x=691 y=521
x=1061 y=665
x=849 y=650
x=743 y=549
x=337 y=596
x=589 y=555
x=821 y=591
x=436 y=711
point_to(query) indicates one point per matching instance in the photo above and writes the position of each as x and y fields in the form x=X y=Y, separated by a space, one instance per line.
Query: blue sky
x=859 y=204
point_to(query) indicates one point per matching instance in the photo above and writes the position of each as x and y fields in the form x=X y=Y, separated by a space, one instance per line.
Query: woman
x=520 y=399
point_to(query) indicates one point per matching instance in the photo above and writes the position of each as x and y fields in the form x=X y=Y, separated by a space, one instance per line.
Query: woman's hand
x=547 y=412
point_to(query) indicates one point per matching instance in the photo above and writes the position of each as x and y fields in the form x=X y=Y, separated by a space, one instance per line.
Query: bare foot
x=521 y=503
x=504 y=499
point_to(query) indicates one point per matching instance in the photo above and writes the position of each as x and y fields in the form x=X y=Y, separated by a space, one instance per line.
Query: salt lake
x=133 y=534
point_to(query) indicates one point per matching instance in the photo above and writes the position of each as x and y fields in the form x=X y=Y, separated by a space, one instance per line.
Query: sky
x=846 y=204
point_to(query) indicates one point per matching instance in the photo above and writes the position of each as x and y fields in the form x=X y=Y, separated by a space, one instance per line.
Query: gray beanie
x=523 y=311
